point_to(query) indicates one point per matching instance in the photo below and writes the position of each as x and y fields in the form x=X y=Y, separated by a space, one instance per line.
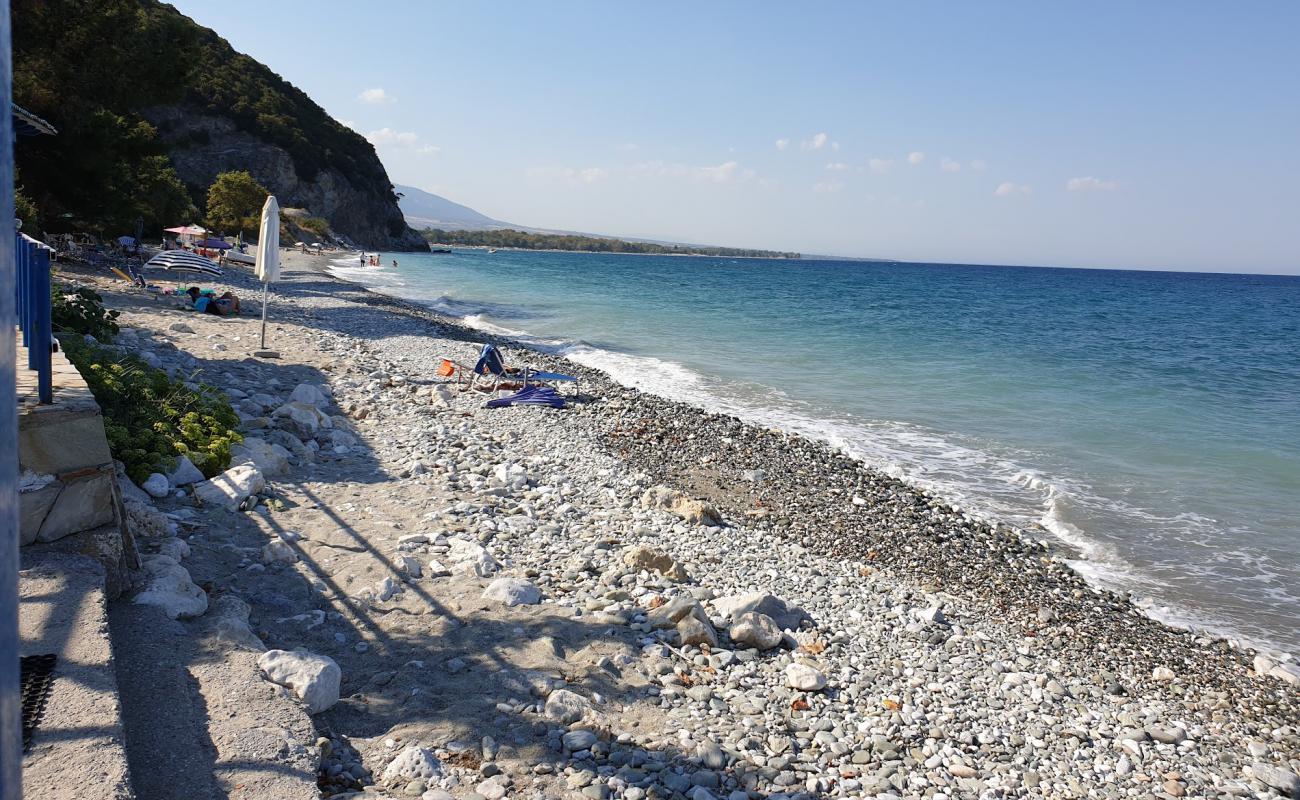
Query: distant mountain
x=427 y=210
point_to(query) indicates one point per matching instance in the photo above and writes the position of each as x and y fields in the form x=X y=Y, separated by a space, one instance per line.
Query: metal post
x=266 y=286
x=11 y=742
x=42 y=335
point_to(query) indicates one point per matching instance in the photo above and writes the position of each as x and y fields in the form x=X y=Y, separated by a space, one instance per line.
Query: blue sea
x=1147 y=421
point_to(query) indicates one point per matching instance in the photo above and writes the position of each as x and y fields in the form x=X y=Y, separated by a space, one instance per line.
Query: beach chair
x=490 y=364
x=530 y=396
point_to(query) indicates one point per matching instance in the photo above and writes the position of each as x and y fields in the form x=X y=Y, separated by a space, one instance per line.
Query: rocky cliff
x=202 y=145
x=151 y=106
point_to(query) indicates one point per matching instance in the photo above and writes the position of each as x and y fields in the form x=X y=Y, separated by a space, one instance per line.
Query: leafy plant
x=82 y=311
x=149 y=418
x=235 y=201
x=316 y=225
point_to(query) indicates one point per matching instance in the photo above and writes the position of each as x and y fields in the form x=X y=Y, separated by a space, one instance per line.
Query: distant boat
x=492 y=249
x=441 y=250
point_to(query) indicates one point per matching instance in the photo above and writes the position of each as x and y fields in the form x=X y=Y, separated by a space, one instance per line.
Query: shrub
x=316 y=225
x=149 y=418
x=82 y=311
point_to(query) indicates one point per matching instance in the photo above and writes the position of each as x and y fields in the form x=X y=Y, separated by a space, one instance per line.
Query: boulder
x=785 y=615
x=697 y=512
x=409 y=566
x=1280 y=778
x=177 y=549
x=184 y=473
x=696 y=629
x=804 y=678
x=670 y=613
x=412 y=764
x=229 y=616
x=565 y=706
x=167 y=585
x=643 y=557
x=467 y=556
x=513 y=592
x=278 y=551
x=270 y=458
x=314 y=679
x=756 y=630
x=231 y=487
x=304 y=419
x=310 y=395
x=156 y=485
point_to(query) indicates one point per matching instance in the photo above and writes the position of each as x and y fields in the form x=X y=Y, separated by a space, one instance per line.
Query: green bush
x=149 y=418
x=82 y=311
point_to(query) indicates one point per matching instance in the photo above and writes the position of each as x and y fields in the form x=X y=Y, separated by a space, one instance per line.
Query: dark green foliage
x=235 y=202
x=91 y=67
x=82 y=312
x=593 y=244
x=151 y=419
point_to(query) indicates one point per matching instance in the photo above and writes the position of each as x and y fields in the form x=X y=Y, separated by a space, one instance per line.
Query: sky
x=1098 y=134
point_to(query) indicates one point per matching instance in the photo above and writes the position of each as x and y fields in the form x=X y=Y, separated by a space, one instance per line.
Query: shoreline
x=462 y=565
x=1050 y=544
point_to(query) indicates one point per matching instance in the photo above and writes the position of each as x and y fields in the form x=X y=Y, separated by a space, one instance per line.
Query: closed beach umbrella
x=268 y=253
x=183 y=261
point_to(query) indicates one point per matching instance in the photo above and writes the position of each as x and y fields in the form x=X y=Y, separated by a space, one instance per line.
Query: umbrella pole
x=265 y=288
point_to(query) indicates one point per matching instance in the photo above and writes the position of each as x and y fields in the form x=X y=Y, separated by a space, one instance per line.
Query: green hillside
x=91 y=67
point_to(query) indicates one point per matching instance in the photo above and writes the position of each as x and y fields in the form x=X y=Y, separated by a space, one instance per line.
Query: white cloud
x=782 y=144
x=723 y=172
x=1007 y=188
x=978 y=165
x=817 y=142
x=403 y=140
x=915 y=157
x=879 y=166
x=837 y=166
x=827 y=187
x=1090 y=184
x=835 y=146
x=948 y=165
x=376 y=97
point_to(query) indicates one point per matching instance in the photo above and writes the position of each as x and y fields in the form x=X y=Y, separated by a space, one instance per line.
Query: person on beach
x=362 y=259
x=394 y=263
x=227 y=305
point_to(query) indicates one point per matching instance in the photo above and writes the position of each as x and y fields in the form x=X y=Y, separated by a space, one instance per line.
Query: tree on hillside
x=235 y=202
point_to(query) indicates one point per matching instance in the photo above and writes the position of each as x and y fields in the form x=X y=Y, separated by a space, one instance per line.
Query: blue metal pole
x=42 y=335
x=24 y=305
x=11 y=738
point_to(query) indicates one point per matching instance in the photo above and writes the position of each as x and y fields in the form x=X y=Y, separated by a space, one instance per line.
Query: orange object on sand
x=446 y=369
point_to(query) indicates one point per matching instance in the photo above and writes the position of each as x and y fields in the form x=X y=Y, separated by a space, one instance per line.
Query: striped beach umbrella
x=183 y=261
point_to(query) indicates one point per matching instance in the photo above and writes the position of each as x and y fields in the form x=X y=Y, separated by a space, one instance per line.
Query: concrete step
x=78 y=750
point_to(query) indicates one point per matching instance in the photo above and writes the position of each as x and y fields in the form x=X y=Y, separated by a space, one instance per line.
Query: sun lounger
x=490 y=364
x=530 y=396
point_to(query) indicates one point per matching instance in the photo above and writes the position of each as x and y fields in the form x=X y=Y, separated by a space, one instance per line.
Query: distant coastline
x=509 y=239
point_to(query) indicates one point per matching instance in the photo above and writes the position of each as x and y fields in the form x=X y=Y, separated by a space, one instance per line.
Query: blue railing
x=32 y=260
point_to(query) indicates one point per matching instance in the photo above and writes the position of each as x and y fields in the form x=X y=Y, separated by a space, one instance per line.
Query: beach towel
x=530 y=396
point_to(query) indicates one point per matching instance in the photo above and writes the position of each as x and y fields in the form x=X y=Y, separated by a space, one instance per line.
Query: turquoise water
x=1148 y=420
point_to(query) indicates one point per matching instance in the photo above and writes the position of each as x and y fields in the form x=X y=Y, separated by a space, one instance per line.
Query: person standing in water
x=394 y=263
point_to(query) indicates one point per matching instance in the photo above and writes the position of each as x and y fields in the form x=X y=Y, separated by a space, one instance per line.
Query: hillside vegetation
x=97 y=68
x=592 y=244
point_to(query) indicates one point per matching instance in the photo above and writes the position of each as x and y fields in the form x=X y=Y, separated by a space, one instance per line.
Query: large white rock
x=167 y=585
x=413 y=763
x=184 y=473
x=311 y=395
x=756 y=630
x=785 y=615
x=644 y=557
x=278 y=551
x=314 y=679
x=304 y=419
x=804 y=678
x=467 y=556
x=565 y=706
x=156 y=485
x=513 y=592
x=270 y=458
x=694 y=511
x=231 y=487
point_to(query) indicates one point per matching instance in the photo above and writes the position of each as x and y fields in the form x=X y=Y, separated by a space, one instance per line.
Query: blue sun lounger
x=530 y=396
x=490 y=363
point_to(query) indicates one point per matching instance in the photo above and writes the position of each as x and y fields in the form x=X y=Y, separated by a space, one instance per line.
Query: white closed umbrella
x=268 y=253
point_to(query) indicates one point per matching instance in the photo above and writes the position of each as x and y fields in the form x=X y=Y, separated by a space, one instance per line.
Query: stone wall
x=68 y=491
